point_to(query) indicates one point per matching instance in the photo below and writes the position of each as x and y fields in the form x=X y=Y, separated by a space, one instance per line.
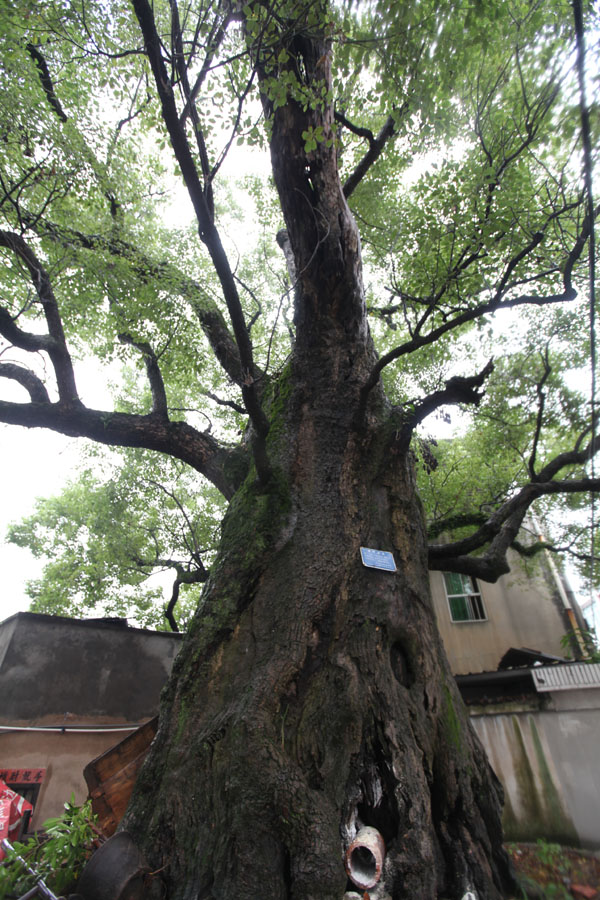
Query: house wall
x=545 y=753
x=58 y=675
x=64 y=757
x=522 y=611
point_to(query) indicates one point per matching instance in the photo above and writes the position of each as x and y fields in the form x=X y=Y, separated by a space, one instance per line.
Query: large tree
x=312 y=694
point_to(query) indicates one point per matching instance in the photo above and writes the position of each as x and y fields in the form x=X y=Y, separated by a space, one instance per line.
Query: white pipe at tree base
x=364 y=858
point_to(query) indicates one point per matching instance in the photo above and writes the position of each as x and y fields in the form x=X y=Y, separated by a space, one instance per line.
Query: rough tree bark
x=312 y=694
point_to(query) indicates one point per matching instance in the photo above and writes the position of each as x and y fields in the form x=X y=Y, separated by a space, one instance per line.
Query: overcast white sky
x=35 y=463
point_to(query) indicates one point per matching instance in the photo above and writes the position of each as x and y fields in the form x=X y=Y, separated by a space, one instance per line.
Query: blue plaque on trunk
x=378 y=559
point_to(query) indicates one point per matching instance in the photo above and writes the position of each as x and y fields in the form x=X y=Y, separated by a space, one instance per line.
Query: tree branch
x=197 y=576
x=54 y=343
x=190 y=105
x=209 y=316
x=207 y=231
x=459 y=389
x=177 y=439
x=157 y=385
x=496 y=302
x=46 y=81
x=540 y=415
x=27 y=379
x=500 y=532
x=376 y=145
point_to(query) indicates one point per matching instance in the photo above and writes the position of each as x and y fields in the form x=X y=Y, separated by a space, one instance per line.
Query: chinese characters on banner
x=22 y=776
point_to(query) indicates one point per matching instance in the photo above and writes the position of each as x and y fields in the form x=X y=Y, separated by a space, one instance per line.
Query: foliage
x=589 y=640
x=456 y=132
x=109 y=531
x=58 y=854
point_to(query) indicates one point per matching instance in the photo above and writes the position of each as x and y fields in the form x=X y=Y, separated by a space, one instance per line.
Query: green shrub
x=58 y=854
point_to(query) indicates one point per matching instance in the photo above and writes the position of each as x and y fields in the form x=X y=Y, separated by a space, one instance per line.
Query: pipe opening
x=364 y=858
x=363 y=866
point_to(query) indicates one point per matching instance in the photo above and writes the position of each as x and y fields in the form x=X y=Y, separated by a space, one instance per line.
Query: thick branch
x=157 y=385
x=500 y=531
x=27 y=379
x=54 y=344
x=450 y=523
x=458 y=390
x=177 y=439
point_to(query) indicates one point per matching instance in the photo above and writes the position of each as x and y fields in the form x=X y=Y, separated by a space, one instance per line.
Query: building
x=479 y=622
x=69 y=690
x=537 y=715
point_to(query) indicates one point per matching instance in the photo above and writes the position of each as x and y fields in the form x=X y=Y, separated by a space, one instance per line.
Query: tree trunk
x=313 y=694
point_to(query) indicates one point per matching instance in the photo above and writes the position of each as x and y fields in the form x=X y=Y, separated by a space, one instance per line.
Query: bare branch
x=27 y=379
x=373 y=153
x=457 y=390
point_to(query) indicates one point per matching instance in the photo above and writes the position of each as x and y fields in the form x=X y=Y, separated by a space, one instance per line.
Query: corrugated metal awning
x=566 y=678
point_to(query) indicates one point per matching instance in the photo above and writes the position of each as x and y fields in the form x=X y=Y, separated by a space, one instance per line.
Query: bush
x=58 y=854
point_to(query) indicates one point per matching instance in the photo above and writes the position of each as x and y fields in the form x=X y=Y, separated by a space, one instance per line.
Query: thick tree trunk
x=313 y=694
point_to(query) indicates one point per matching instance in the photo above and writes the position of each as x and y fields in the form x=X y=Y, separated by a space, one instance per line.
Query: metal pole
x=40 y=886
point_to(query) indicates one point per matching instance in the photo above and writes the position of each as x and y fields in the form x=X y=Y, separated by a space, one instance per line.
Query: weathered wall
x=64 y=757
x=97 y=669
x=64 y=673
x=522 y=611
x=545 y=753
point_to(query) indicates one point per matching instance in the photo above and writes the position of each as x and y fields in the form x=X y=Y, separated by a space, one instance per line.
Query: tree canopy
x=457 y=133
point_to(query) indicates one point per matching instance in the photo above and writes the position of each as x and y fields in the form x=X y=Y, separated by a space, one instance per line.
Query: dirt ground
x=551 y=872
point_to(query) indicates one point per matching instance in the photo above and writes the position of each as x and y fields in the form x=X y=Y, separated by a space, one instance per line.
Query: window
x=464 y=598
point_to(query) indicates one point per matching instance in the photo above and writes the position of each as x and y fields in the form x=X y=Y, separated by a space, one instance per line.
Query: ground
x=551 y=872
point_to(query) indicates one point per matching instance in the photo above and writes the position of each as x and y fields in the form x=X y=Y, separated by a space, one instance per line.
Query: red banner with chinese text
x=22 y=776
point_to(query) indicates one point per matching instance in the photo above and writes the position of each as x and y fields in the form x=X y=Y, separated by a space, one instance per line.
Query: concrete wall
x=94 y=670
x=63 y=755
x=545 y=753
x=522 y=611
x=65 y=674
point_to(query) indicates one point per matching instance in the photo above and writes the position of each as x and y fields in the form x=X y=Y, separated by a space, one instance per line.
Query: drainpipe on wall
x=564 y=599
